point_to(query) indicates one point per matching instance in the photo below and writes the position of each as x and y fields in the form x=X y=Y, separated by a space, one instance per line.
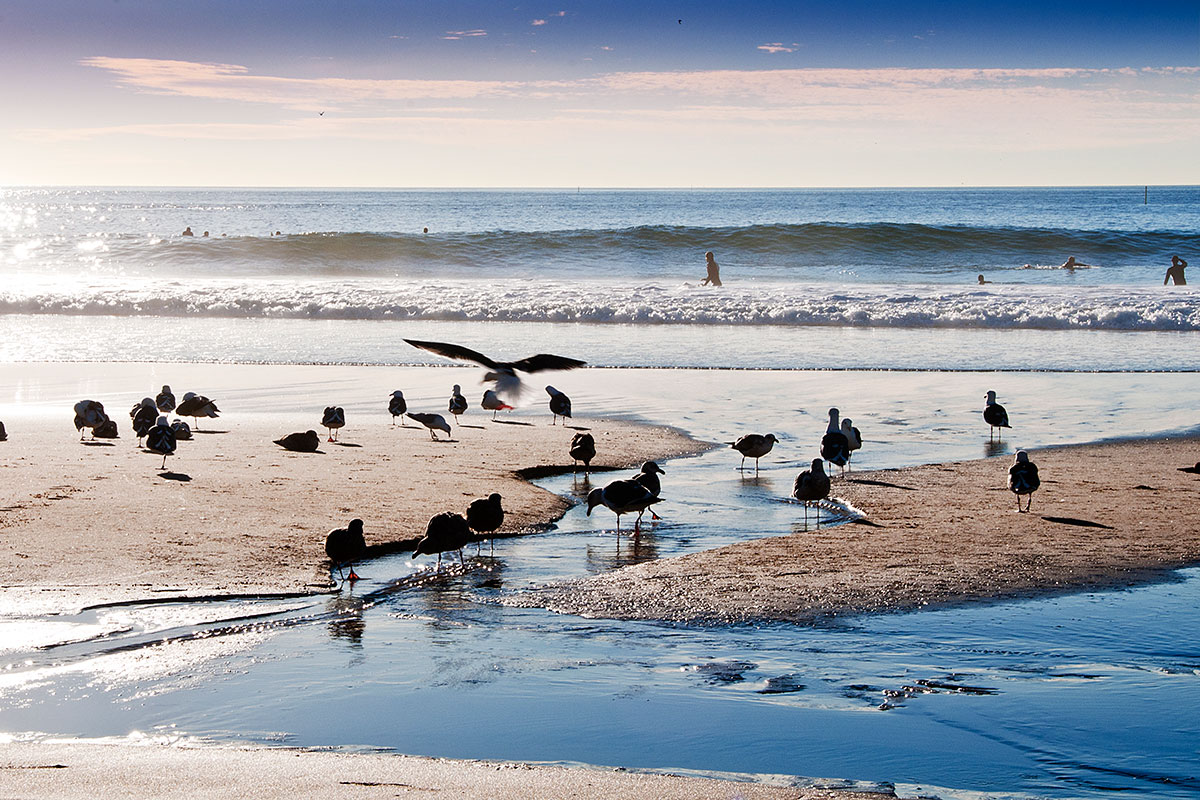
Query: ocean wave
x=651 y=249
x=615 y=302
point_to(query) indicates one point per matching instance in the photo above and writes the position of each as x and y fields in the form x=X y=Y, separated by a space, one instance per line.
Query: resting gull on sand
x=334 y=419
x=196 y=406
x=1023 y=479
x=397 y=406
x=161 y=439
x=458 y=403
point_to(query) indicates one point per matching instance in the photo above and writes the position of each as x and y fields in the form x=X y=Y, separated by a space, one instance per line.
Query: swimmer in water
x=982 y=281
x=1071 y=263
x=1175 y=272
x=714 y=271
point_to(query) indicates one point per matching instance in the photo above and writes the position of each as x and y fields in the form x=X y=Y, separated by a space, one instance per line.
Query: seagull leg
x=353 y=576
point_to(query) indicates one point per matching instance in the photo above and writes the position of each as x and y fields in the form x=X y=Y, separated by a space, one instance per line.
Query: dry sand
x=1106 y=515
x=93 y=522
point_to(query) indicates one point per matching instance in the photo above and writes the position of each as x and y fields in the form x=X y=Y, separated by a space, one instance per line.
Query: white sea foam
x=598 y=302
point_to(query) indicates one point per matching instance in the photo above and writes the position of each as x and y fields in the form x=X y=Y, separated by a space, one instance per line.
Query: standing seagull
x=560 y=405
x=334 y=419
x=492 y=402
x=89 y=414
x=434 y=422
x=835 y=447
x=853 y=437
x=486 y=515
x=994 y=415
x=648 y=477
x=306 y=442
x=502 y=373
x=397 y=407
x=458 y=403
x=446 y=531
x=165 y=401
x=196 y=406
x=811 y=486
x=1023 y=478
x=583 y=448
x=182 y=431
x=754 y=445
x=622 y=497
x=144 y=416
x=161 y=439
x=344 y=546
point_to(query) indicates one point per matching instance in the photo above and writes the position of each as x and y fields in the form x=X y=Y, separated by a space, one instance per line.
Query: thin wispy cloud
x=465 y=34
x=538 y=22
x=777 y=47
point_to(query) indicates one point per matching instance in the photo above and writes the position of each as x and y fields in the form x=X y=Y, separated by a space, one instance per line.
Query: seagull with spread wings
x=502 y=373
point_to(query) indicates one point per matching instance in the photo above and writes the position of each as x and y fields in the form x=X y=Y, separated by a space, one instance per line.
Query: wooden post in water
x=1146 y=197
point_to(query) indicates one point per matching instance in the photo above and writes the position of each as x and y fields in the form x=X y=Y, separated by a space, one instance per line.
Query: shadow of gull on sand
x=1083 y=523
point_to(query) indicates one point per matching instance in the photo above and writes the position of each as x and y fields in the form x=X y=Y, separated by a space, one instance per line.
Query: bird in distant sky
x=502 y=373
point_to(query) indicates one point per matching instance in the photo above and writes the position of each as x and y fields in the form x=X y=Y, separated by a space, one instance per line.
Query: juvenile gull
x=492 y=402
x=334 y=419
x=434 y=422
x=344 y=546
x=446 y=531
x=754 y=445
x=560 y=405
x=458 y=403
x=502 y=373
x=622 y=497
x=306 y=442
x=994 y=415
x=583 y=448
x=165 y=401
x=835 y=447
x=1023 y=479
x=811 y=485
x=161 y=439
x=196 y=406
x=397 y=406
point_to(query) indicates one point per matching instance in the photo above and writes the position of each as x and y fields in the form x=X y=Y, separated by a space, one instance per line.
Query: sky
x=441 y=93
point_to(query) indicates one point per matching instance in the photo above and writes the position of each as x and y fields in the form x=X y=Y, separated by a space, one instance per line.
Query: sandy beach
x=97 y=521
x=1106 y=515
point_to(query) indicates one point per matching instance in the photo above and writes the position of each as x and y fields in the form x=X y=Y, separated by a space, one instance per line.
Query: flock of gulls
x=450 y=531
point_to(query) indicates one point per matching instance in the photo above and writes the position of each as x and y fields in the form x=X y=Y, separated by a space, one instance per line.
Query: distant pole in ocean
x=1146 y=197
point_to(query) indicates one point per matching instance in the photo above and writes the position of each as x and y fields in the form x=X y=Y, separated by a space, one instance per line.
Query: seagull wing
x=454 y=351
x=544 y=361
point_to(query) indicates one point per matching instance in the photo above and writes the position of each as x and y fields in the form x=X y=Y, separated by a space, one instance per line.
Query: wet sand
x=1106 y=515
x=86 y=771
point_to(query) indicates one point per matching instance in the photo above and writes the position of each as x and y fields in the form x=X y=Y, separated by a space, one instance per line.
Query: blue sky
x=615 y=93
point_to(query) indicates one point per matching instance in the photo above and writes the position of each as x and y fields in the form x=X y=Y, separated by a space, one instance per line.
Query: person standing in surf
x=714 y=271
x=1175 y=272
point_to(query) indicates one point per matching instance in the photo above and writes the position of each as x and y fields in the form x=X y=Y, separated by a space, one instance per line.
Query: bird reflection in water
x=347 y=619
x=629 y=550
x=995 y=448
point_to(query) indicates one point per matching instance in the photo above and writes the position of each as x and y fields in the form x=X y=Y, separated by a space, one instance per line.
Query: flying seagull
x=502 y=373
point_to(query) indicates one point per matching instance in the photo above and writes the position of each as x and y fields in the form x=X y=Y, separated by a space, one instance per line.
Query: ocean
x=867 y=300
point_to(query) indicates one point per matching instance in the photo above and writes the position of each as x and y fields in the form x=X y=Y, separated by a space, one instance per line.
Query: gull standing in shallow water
x=622 y=497
x=432 y=422
x=648 y=477
x=502 y=373
x=486 y=515
x=196 y=406
x=754 y=445
x=994 y=415
x=812 y=486
x=1023 y=479
x=446 y=531
x=397 y=406
x=344 y=546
